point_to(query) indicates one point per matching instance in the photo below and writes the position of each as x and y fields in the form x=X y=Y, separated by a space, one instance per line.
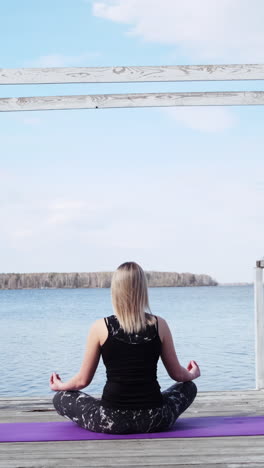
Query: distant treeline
x=96 y=280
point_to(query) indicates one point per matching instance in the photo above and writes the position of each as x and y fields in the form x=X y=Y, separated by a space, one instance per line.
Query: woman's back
x=130 y=342
x=131 y=367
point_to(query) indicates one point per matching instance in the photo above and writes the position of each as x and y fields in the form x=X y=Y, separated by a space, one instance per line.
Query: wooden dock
x=218 y=452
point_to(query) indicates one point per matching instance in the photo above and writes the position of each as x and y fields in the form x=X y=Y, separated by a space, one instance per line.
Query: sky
x=174 y=189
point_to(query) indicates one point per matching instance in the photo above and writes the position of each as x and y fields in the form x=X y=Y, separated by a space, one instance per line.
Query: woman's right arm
x=170 y=359
x=88 y=367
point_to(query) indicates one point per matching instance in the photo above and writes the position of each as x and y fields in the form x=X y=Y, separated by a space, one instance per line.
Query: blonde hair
x=130 y=297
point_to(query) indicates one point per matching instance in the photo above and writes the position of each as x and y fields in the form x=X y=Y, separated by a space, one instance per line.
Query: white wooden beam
x=131 y=74
x=259 y=326
x=104 y=101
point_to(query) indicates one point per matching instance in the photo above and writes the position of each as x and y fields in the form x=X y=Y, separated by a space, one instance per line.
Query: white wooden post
x=259 y=325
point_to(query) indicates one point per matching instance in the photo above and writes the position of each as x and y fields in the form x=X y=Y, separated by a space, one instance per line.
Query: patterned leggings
x=88 y=412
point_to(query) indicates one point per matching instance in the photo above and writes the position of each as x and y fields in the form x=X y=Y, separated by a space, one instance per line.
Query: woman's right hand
x=194 y=369
x=55 y=382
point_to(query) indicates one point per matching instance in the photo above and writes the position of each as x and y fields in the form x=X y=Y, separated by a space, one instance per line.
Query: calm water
x=45 y=330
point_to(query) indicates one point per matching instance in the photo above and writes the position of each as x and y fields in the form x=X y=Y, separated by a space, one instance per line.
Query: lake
x=45 y=330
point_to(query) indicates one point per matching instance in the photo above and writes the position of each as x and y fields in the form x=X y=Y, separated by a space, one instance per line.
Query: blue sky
x=174 y=189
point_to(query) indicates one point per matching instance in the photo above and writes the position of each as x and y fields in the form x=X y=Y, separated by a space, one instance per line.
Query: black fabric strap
x=106 y=322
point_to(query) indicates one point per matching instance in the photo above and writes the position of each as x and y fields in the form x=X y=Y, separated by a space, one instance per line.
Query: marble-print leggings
x=88 y=412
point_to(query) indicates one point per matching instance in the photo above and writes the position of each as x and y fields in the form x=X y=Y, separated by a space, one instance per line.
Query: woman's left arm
x=88 y=367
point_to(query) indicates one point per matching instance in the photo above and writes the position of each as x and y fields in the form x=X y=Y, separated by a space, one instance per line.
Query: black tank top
x=131 y=367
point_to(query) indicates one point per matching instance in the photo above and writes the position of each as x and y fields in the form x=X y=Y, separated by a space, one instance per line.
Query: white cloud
x=22 y=233
x=205 y=29
x=63 y=212
x=60 y=60
x=204 y=119
x=199 y=219
x=78 y=216
x=31 y=121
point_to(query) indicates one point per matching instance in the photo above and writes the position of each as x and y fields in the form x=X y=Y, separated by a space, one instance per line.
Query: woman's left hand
x=55 y=382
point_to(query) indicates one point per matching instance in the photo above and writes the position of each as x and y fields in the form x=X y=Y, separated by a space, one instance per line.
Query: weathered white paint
x=259 y=327
x=132 y=74
x=104 y=101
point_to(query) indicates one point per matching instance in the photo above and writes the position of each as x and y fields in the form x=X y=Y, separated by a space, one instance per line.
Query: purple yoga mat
x=184 y=427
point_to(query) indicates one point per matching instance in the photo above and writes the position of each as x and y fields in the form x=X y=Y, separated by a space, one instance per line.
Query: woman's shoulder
x=103 y=320
x=162 y=326
x=161 y=320
x=100 y=329
x=99 y=325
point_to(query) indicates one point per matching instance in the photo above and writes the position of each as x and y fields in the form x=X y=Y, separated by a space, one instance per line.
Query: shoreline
x=101 y=279
x=236 y=284
x=150 y=287
x=106 y=287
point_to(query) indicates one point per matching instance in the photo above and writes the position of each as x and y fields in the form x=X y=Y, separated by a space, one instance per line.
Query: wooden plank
x=216 y=452
x=107 y=101
x=259 y=327
x=203 y=452
x=241 y=402
x=132 y=74
x=220 y=394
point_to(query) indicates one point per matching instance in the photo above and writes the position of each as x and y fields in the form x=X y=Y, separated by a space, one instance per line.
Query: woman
x=130 y=342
